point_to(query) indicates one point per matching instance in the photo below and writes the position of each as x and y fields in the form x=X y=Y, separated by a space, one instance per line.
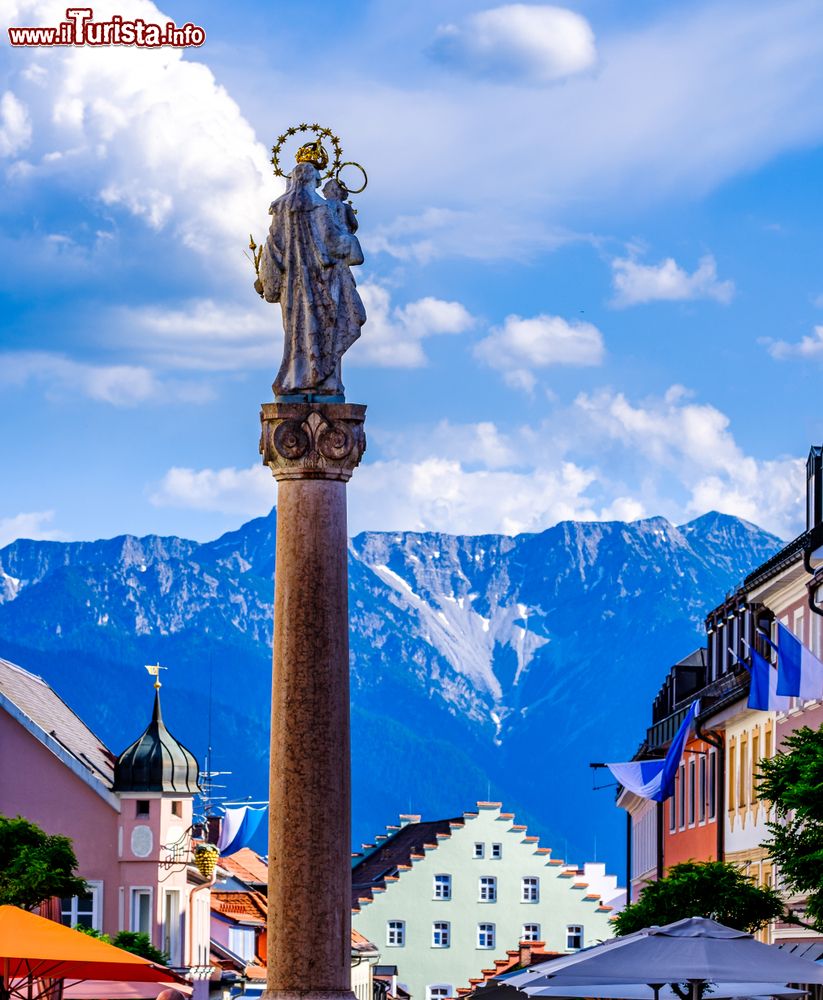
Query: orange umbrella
x=31 y=946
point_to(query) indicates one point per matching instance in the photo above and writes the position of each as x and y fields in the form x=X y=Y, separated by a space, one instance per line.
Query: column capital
x=312 y=440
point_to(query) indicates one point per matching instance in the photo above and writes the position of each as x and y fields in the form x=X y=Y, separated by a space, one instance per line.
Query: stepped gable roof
x=528 y=953
x=40 y=710
x=397 y=851
x=247 y=866
x=156 y=761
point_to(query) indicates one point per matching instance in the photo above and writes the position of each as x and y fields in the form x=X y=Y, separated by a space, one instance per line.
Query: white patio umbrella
x=633 y=991
x=695 y=950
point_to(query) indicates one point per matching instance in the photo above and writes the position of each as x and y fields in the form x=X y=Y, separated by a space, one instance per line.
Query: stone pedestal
x=312 y=449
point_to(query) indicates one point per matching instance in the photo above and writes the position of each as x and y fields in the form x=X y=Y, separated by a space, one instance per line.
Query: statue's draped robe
x=305 y=266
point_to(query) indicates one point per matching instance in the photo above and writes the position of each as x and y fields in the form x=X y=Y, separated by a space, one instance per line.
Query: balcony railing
x=726 y=689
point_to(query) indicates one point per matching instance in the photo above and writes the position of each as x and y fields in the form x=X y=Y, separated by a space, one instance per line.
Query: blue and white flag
x=799 y=672
x=654 y=779
x=763 y=696
x=238 y=828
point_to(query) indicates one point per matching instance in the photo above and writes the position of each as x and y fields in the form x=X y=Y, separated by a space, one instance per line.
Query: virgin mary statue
x=305 y=267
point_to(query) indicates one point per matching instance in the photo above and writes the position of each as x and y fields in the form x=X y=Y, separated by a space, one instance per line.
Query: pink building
x=129 y=817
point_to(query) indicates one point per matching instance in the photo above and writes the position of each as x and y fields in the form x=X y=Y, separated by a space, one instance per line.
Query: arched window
x=396 y=933
x=441 y=934
x=485 y=935
x=442 y=887
x=488 y=889
x=530 y=889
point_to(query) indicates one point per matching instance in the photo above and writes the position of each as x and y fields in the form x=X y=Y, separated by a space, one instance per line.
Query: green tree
x=34 y=865
x=133 y=941
x=713 y=889
x=792 y=783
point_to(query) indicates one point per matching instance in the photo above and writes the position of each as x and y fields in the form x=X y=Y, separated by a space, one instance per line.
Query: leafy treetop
x=34 y=865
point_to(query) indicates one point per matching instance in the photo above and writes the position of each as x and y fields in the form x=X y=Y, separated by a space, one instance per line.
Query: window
x=440 y=991
x=672 y=815
x=241 y=942
x=681 y=795
x=712 y=784
x=396 y=933
x=497 y=851
x=530 y=889
x=692 y=789
x=176 y=807
x=442 y=887
x=732 y=776
x=440 y=934
x=141 y=912
x=531 y=932
x=84 y=910
x=485 y=935
x=755 y=764
x=142 y=807
x=488 y=889
x=574 y=936
x=171 y=926
x=743 y=776
x=701 y=784
x=479 y=850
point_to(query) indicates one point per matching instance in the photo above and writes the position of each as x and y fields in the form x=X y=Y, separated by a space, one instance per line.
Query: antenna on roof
x=154 y=670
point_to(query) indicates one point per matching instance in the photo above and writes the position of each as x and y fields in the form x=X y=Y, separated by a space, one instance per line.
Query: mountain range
x=482 y=667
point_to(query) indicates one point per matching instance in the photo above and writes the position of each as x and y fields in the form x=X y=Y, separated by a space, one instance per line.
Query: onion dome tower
x=156 y=761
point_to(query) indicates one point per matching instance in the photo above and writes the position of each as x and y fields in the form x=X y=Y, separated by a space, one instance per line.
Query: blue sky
x=593 y=265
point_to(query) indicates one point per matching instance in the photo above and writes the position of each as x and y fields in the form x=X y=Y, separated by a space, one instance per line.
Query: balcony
x=724 y=691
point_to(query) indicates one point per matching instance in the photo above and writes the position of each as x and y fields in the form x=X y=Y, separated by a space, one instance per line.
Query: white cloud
x=248 y=492
x=634 y=282
x=15 y=126
x=119 y=385
x=807 y=347
x=147 y=132
x=610 y=459
x=533 y=42
x=34 y=525
x=393 y=336
x=522 y=345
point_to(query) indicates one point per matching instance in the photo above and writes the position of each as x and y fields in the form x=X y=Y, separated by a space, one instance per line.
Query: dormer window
x=177 y=808
x=142 y=807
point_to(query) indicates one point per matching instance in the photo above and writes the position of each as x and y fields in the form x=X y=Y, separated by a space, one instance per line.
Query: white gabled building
x=442 y=899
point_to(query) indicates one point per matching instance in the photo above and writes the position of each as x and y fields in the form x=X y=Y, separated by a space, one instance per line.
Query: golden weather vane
x=154 y=670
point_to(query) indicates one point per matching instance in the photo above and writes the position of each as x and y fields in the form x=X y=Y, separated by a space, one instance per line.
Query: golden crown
x=310 y=152
x=314 y=153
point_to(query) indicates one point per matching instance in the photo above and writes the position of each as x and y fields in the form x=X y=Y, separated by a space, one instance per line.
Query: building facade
x=129 y=817
x=443 y=899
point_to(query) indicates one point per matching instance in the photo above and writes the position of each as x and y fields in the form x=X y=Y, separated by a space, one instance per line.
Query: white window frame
x=487 y=932
x=530 y=889
x=442 y=889
x=246 y=935
x=95 y=888
x=530 y=932
x=576 y=931
x=441 y=934
x=487 y=889
x=439 y=991
x=173 y=934
x=395 y=933
x=479 y=850
x=497 y=852
x=134 y=893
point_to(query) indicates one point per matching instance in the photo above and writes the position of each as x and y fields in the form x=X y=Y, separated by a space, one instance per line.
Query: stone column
x=312 y=449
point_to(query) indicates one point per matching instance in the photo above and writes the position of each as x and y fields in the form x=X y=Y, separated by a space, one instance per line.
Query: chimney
x=213 y=824
x=814 y=487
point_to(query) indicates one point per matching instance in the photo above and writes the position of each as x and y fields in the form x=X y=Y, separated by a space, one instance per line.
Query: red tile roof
x=528 y=953
x=248 y=907
x=246 y=865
